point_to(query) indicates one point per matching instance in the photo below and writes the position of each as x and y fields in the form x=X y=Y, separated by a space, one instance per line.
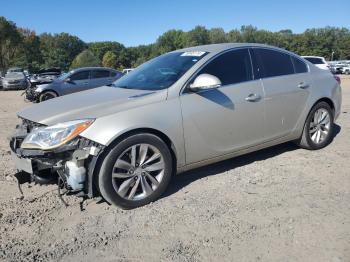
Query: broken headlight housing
x=51 y=137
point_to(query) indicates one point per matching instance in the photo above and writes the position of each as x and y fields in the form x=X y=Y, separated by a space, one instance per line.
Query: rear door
x=79 y=81
x=115 y=75
x=100 y=77
x=286 y=83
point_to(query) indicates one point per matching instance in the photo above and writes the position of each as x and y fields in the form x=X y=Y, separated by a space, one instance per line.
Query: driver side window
x=231 y=67
x=83 y=75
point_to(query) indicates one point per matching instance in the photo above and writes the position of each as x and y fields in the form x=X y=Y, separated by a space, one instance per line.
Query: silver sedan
x=182 y=110
x=15 y=80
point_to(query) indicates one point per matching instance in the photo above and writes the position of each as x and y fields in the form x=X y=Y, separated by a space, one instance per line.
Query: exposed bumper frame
x=33 y=162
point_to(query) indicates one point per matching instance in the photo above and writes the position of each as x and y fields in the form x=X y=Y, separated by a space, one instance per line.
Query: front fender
x=163 y=116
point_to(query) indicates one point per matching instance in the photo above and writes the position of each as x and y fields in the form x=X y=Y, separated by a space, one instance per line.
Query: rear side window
x=299 y=66
x=100 y=74
x=273 y=63
x=113 y=74
x=83 y=75
x=231 y=67
x=315 y=60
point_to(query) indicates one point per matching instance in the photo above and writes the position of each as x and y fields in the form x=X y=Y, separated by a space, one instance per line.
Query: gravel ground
x=278 y=204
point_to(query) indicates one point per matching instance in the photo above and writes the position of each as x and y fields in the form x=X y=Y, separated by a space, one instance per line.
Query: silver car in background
x=77 y=80
x=15 y=81
x=182 y=110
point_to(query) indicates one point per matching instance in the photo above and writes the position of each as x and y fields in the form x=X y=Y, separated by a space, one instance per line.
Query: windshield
x=160 y=72
x=14 y=75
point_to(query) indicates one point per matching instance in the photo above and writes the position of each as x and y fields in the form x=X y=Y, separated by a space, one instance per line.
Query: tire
x=309 y=137
x=127 y=197
x=46 y=95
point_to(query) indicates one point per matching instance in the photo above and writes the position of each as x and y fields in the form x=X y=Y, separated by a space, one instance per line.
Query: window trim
x=283 y=52
x=81 y=72
x=306 y=65
x=112 y=72
x=109 y=73
x=184 y=88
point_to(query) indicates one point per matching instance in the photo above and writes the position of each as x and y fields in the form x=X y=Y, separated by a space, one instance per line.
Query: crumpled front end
x=71 y=165
x=31 y=94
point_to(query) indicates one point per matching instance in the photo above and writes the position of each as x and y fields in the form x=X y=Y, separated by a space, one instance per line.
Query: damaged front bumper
x=71 y=166
x=31 y=94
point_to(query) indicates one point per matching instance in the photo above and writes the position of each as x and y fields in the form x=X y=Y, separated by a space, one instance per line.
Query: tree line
x=22 y=47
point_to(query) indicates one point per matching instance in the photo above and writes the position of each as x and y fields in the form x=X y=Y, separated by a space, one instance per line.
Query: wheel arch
x=49 y=90
x=326 y=100
x=153 y=131
x=115 y=141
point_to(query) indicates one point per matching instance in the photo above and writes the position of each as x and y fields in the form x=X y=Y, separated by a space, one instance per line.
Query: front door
x=229 y=118
x=78 y=81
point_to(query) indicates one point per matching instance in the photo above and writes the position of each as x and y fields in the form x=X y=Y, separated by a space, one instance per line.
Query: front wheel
x=318 y=128
x=136 y=171
x=47 y=95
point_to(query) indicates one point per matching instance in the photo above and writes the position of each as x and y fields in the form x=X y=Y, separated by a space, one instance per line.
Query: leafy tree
x=197 y=36
x=22 y=47
x=109 y=59
x=170 y=40
x=84 y=59
x=99 y=49
x=217 y=35
x=28 y=55
x=59 y=50
x=234 y=36
x=10 y=41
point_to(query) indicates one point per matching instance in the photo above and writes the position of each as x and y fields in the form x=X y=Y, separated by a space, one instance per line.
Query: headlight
x=51 y=137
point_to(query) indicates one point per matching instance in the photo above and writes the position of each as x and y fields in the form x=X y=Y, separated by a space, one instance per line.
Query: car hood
x=9 y=78
x=93 y=103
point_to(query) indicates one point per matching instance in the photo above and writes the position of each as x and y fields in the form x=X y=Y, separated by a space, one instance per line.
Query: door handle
x=303 y=85
x=253 y=98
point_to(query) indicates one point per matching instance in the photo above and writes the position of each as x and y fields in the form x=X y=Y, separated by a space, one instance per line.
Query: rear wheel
x=47 y=95
x=318 y=128
x=136 y=171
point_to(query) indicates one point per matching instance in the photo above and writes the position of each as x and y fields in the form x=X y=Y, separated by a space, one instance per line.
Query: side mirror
x=205 y=81
x=68 y=80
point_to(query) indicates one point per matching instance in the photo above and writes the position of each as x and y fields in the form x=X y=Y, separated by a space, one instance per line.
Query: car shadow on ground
x=182 y=180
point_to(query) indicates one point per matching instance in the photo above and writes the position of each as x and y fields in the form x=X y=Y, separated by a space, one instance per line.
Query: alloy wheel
x=320 y=126
x=138 y=172
x=47 y=96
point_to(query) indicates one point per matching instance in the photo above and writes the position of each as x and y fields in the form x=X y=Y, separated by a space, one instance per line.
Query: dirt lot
x=279 y=204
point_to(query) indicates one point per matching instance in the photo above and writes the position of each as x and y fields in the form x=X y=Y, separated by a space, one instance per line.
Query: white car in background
x=346 y=70
x=127 y=70
x=318 y=61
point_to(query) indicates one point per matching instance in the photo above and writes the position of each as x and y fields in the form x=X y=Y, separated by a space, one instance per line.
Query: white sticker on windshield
x=193 y=53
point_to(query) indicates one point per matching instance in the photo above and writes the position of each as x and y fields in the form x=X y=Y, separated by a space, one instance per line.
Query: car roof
x=216 y=48
x=93 y=68
x=11 y=74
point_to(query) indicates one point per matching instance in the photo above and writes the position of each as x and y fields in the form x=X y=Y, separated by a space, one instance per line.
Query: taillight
x=337 y=78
